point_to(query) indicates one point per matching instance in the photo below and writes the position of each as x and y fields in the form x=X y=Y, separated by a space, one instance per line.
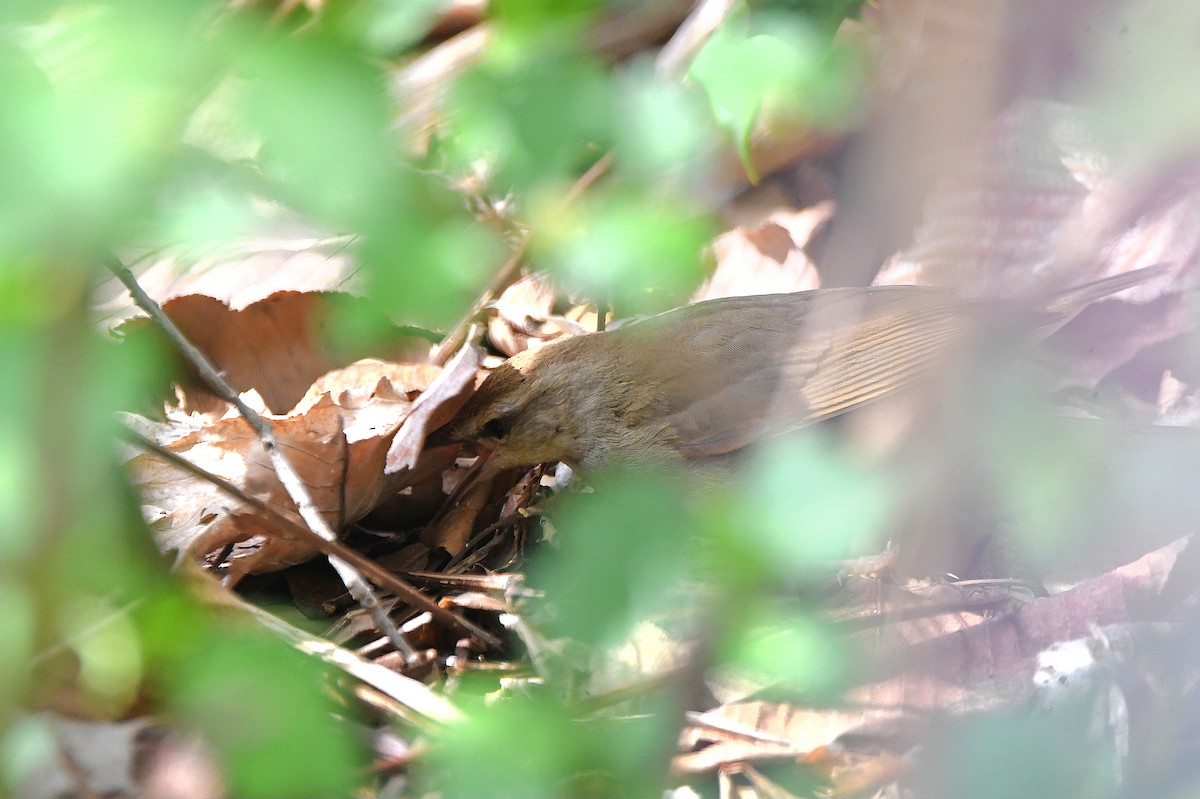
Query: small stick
x=358 y=587
x=455 y=338
x=676 y=55
x=453 y=341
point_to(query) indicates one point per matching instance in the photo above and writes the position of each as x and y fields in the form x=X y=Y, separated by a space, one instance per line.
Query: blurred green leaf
x=546 y=14
x=1061 y=754
x=1045 y=474
x=106 y=643
x=641 y=251
x=17 y=636
x=386 y=27
x=1140 y=79
x=825 y=15
x=789 y=647
x=804 y=505
x=323 y=117
x=789 y=73
x=623 y=557
x=89 y=148
x=664 y=130
x=529 y=746
x=27 y=746
x=536 y=121
x=262 y=706
x=427 y=270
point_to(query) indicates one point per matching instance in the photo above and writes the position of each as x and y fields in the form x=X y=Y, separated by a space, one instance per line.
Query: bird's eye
x=495 y=428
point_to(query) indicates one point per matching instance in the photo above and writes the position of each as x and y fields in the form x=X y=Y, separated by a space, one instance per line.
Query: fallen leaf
x=337 y=439
x=436 y=406
x=767 y=259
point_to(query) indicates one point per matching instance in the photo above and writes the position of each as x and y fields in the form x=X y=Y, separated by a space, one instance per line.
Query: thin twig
x=355 y=583
x=382 y=577
x=676 y=55
x=453 y=341
x=455 y=338
x=588 y=179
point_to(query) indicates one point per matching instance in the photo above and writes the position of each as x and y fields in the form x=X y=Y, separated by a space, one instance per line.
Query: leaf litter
x=929 y=644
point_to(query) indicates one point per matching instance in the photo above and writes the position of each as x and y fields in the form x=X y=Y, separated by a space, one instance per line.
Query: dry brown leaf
x=1010 y=220
x=523 y=316
x=767 y=259
x=337 y=440
x=272 y=346
x=749 y=731
x=975 y=667
x=238 y=275
x=435 y=407
x=453 y=530
x=1038 y=207
x=992 y=664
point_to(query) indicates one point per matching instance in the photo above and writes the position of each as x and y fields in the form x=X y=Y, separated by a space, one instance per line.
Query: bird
x=707 y=380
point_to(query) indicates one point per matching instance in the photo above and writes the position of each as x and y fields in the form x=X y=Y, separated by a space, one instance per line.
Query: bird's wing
x=770 y=364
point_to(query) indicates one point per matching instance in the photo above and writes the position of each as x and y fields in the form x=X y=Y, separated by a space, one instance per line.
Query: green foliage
x=1006 y=757
x=802 y=506
x=532 y=746
x=787 y=648
x=635 y=537
x=535 y=120
x=774 y=65
x=605 y=251
x=152 y=123
x=259 y=703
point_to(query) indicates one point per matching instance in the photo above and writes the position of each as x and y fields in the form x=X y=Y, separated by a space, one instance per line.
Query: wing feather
x=779 y=362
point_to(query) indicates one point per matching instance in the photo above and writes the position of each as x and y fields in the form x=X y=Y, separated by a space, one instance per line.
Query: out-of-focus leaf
x=259 y=703
x=1139 y=81
x=17 y=631
x=547 y=14
x=426 y=268
x=634 y=537
x=535 y=121
x=121 y=78
x=638 y=250
x=531 y=747
x=663 y=131
x=386 y=27
x=1058 y=755
x=805 y=505
x=774 y=646
x=742 y=73
x=321 y=112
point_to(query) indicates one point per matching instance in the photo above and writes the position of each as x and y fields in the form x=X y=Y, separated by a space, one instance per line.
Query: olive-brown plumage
x=708 y=379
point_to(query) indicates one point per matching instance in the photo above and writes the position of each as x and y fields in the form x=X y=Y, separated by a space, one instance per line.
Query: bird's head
x=519 y=413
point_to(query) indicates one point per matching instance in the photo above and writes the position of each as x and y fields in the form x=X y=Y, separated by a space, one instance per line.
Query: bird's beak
x=444 y=436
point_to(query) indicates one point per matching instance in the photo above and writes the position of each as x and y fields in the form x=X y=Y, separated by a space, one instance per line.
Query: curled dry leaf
x=1039 y=206
x=337 y=439
x=971 y=667
x=1010 y=219
x=437 y=405
x=524 y=317
x=748 y=731
x=767 y=259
